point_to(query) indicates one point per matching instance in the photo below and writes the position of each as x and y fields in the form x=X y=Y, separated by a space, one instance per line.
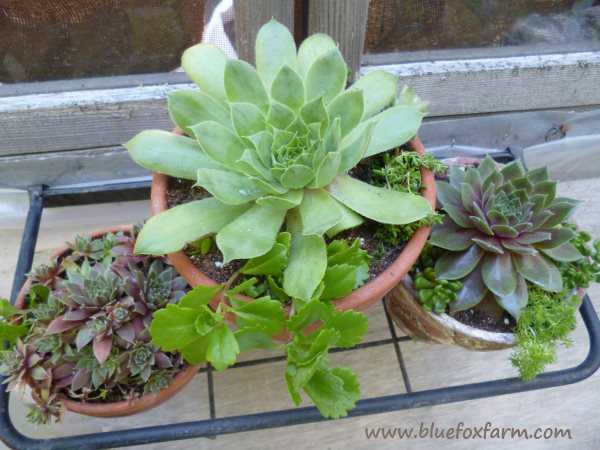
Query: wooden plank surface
x=251 y=15
x=514 y=83
x=494 y=131
x=345 y=21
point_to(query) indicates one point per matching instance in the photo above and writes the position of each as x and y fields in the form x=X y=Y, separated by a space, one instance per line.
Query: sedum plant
x=85 y=332
x=258 y=304
x=503 y=229
x=274 y=147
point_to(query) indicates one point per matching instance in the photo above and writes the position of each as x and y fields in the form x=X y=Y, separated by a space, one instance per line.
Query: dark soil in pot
x=483 y=320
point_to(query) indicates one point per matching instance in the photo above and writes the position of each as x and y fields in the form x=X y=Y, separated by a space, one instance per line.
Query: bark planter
x=418 y=323
x=125 y=407
x=361 y=298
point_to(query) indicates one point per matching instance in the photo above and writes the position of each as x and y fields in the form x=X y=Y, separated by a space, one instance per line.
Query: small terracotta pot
x=361 y=298
x=420 y=324
x=125 y=407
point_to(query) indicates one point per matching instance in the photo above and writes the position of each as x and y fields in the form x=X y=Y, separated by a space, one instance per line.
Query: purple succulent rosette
x=503 y=228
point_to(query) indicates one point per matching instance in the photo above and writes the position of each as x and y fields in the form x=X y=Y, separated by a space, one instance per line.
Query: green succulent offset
x=274 y=145
x=504 y=228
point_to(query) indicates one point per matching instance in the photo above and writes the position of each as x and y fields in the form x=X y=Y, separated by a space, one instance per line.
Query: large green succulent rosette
x=273 y=146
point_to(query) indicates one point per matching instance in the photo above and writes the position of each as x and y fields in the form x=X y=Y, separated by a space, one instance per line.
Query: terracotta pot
x=361 y=298
x=420 y=324
x=125 y=407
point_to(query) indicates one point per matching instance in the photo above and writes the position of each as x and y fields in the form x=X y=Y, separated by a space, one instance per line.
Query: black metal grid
x=211 y=428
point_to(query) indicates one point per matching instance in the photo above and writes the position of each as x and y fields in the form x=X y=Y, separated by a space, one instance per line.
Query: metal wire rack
x=41 y=197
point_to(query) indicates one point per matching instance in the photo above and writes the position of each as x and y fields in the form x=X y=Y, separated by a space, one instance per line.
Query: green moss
x=544 y=323
x=579 y=274
x=402 y=173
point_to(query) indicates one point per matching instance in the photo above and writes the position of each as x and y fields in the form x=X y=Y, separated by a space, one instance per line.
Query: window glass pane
x=415 y=25
x=59 y=39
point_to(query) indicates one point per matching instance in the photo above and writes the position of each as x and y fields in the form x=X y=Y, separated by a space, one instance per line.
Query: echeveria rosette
x=503 y=229
x=274 y=145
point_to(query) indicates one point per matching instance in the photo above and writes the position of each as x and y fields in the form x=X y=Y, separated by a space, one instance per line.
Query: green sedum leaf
x=222 y=348
x=199 y=296
x=334 y=392
x=174 y=327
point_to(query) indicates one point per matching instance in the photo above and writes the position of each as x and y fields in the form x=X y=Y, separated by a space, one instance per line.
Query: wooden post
x=345 y=21
x=250 y=15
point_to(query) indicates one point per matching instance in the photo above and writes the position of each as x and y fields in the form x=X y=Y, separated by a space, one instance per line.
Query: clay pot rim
x=123 y=407
x=359 y=299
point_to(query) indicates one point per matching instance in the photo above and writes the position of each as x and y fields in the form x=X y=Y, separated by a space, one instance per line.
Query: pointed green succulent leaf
x=170 y=230
x=251 y=234
x=297 y=176
x=280 y=116
x=188 y=108
x=352 y=153
x=243 y=85
x=326 y=76
x=262 y=144
x=318 y=212
x=288 y=88
x=251 y=164
x=311 y=49
x=349 y=107
x=379 y=90
x=379 y=204
x=205 y=65
x=393 y=127
x=218 y=142
x=247 y=119
x=408 y=97
x=274 y=48
x=327 y=170
x=229 y=187
x=306 y=266
x=286 y=201
x=315 y=112
x=168 y=153
x=349 y=219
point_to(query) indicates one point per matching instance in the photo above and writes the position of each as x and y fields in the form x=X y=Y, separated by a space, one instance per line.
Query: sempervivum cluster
x=504 y=228
x=112 y=301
